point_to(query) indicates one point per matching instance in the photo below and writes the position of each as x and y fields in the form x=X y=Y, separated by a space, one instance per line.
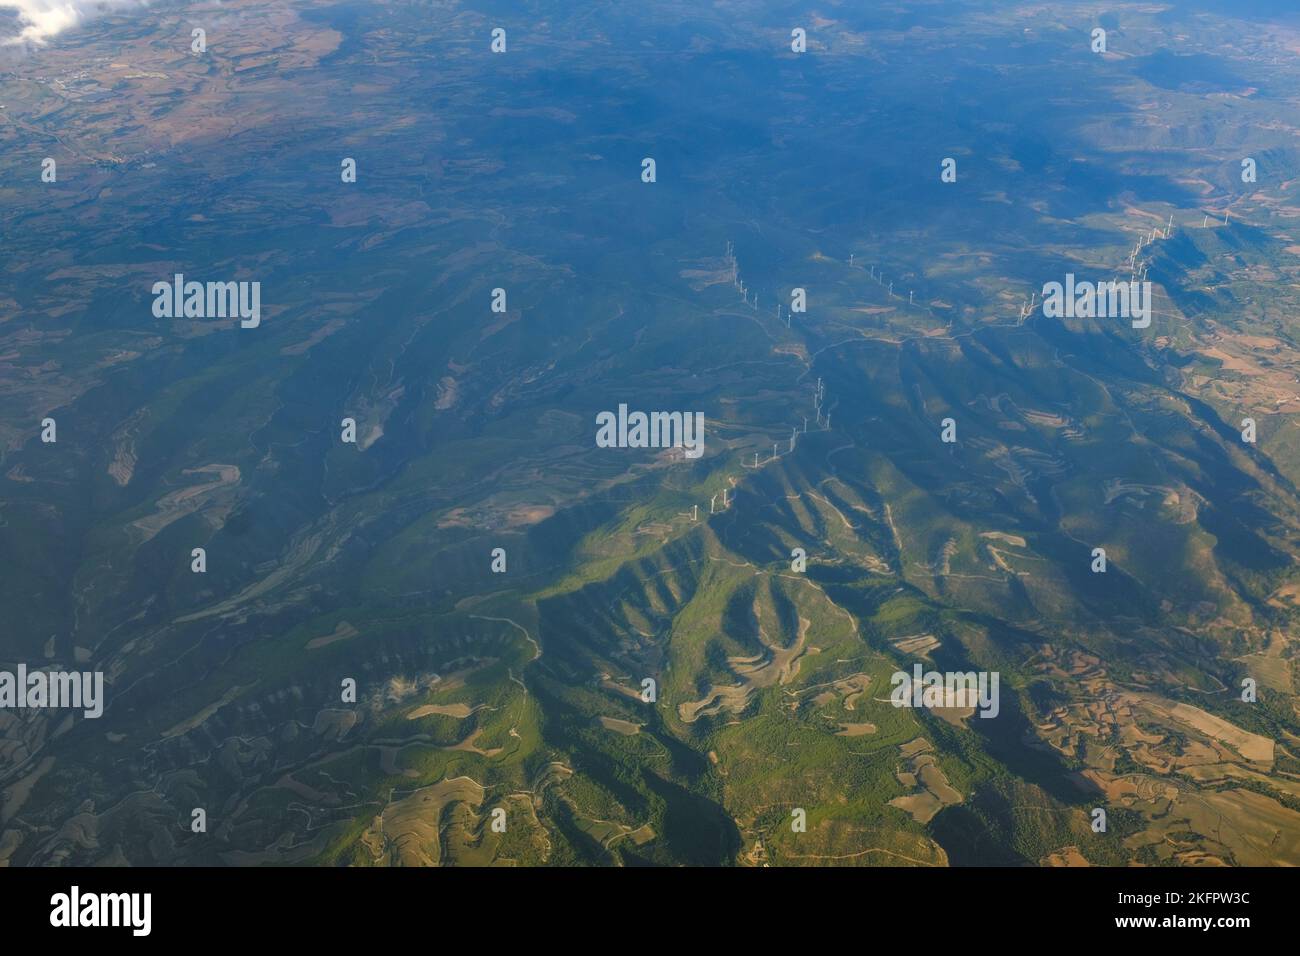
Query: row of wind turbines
x=739 y=283
x=1138 y=268
x=819 y=407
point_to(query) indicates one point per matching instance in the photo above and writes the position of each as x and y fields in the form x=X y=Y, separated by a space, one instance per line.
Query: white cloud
x=42 y=19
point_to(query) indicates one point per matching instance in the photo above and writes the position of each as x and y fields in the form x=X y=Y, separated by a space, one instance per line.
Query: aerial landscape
x=548 y=433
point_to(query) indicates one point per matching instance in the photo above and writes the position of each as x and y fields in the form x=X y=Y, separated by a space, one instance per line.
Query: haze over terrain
x=461 y=630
